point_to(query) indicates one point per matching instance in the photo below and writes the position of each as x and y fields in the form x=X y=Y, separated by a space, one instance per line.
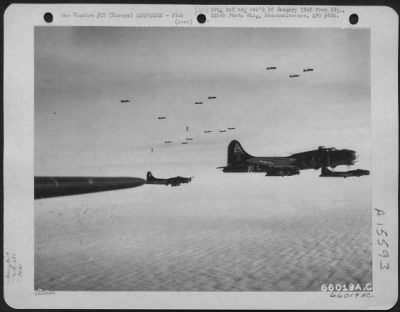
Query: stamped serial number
x=346 y=287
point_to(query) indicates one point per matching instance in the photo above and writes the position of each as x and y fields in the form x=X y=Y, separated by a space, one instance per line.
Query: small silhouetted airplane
x=175 y=181
x=207 y=131
x=294 y=76
x=125 y=101
x=212 y=97
x=231 y=128
x=240 y=161
x=162 y=117
x=308 y=69
x=325 y=172
x=198 y=102
x=271 y=67
x=222 y=130
x=167 y=142
x=184 y=142
x=189 y=139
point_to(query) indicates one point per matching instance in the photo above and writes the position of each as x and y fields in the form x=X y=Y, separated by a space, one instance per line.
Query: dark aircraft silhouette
x=162 y=117
x=62 y=186
x=308 y=69
x=222 y=130
x=294 y=76
x=325 y=172
x=271 y=67
x=189 y=139
x=240 y=161
x=175 y=181
x=184 y=142
x=125 y=101
x=207 y=131
x=198 y=102
x=212 y=97
x=167 y=142
x=231 y=128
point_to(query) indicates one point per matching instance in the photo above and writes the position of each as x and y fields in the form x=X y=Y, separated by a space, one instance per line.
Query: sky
x=82 y=73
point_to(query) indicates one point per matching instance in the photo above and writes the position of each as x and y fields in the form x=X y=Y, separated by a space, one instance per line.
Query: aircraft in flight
x=207 y=131
x=222 y=130
x=231 y=128
x=46 y=187
x=198 y=103
x=167 y=142
x=308 y=69
x=325 y=172
x=174 y=181
x=189 y=139
x=212 y=97
x=294 y=76
x=240 y=161
x=271 y=67
x=184 y=142
x=125 y=101
x=162 y=117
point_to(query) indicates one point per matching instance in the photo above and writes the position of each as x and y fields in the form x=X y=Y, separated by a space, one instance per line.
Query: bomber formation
x=206 y=131
x=238 y=160
x=291 y=75
x=322 y=158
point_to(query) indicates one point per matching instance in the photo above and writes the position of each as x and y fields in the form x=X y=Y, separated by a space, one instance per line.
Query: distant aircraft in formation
x=222 y=130
x=271 y=67
x=162 y=117
x=231 y=128
x=240 y=161
x=189 y=139
x=198 y=102
x=308 y=69
x=184 y=142
x=174 y=181
x=167 y=142
x=212 y=97
x=125 y=101
x=207 y=131
x=294 y=76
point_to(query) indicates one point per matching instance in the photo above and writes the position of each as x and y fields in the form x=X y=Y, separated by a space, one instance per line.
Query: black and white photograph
x=231 y=159
x=200 y=157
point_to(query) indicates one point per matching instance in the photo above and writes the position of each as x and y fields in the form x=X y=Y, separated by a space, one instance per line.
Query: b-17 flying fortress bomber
x=240 y=161
x=325 y=172
x=174 y=181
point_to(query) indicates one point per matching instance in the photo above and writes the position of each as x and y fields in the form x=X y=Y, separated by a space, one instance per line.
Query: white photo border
x=19 y=23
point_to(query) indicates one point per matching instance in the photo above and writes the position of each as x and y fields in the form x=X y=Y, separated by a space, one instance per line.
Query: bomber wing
x=273 y=162
x=62 y=186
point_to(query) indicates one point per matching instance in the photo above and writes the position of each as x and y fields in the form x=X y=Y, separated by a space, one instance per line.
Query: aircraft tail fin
x=236 y=153
x=149 y=176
